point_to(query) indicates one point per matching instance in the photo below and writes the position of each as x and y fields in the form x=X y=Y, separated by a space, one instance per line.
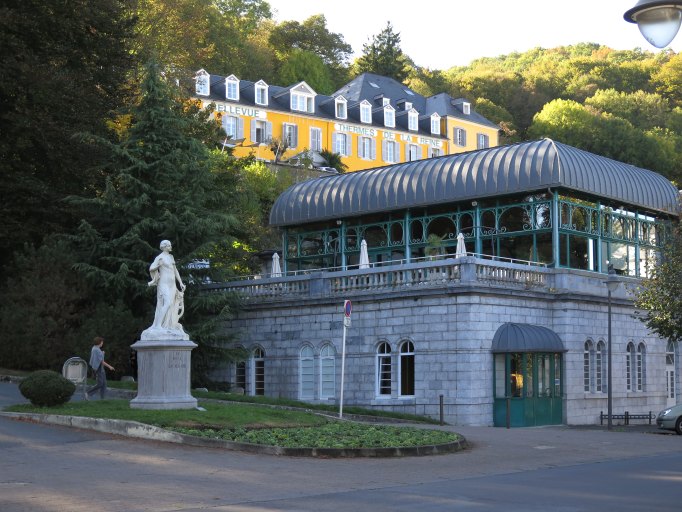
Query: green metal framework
x=586 y=236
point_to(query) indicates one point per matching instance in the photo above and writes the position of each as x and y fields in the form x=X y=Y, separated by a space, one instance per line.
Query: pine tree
x=383 y=56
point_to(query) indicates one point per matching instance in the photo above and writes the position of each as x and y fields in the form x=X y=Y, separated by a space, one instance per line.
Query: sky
x=439 y=34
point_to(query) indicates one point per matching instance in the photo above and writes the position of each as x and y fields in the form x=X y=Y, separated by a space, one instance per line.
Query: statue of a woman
x=169 y=298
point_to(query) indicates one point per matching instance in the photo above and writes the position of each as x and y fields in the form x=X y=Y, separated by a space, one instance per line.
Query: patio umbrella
x=461 y=251
x=276 y=269
x=364 y=257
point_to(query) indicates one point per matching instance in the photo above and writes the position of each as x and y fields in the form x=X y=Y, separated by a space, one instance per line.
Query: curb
x=149 y=432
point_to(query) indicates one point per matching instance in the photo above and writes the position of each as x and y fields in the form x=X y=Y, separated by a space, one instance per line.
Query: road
x=551 y=469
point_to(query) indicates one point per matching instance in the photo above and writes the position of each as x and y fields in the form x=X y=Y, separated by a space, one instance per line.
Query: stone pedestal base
x=163 y=374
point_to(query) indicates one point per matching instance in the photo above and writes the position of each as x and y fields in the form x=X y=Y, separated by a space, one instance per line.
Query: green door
x=527 y=389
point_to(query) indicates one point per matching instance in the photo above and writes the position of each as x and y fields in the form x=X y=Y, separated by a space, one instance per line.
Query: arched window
x=384 y=370
x=407 y=369
x=327 y=372
x=641 y=367
x=258 y=372
x=599 y=368
x=587 y=367
x=306 y=374
x=670 y=372
x=629 y=359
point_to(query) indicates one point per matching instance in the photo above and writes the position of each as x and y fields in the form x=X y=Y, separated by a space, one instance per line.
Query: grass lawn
x=252 y=423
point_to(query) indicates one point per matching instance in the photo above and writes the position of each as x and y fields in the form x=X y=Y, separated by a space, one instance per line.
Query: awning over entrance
x=511 y=337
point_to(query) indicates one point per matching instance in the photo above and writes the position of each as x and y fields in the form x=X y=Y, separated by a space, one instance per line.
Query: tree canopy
x=383 y=56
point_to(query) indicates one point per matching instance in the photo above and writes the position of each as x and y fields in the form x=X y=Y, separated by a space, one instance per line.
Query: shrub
x=46 y=388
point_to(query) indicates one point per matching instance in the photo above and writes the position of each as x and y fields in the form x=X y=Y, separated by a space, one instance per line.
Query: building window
x=389 y=117
x=390 y=151
x=290 y=135
x=629 y=358
x=483 y=141
x=258 y=372
x=306 y=366
x=232 y=88
x=460 y=137
x=261 y=131
x=414 y=152
x=367 y=148
x=261 y=93
x=413 y=121
x=302 y=102
x=384 y=370
x=587 y=367
x=202 y=86
x=641 y=367
x=670 y=371
x=341 y=111
x=316 y=139
x=233 y=126
x=240 y=375
x=600 y=369
x=327 y=372
x=466 y=108
x=434 y=152
x=341 y=144
x=435 y=124
x=407 y=369
x=365 y=112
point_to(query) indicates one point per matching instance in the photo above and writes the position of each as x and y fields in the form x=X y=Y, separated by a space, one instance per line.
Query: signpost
x=347 y=308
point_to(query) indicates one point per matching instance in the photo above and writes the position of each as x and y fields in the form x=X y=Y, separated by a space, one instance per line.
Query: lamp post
x=658 y=20
x=612 y=284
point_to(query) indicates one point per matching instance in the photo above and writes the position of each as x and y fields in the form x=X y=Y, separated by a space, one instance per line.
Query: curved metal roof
x=502 y=170
x=511 y=337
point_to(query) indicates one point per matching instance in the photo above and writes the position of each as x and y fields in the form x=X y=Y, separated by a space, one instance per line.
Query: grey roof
x=503 y=170
x=511 y=337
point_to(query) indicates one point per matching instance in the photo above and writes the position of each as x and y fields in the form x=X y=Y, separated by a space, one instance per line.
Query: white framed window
x=483 y=141
x=233 y=126
x=466 y=108
x=240 y=375
x=641 y=367
x=232 y=88
x=385 y=101
x=435 y=124
x=341 y=107
x=327 y=372
x=202 y=83
x=383 y=368
x=587 y=367
x=414 y=152
x=261 y=97
x=670 y=392
x=407 y=369
x=258 y=372
x=629 y=360
x=413 y=120
x=316 y=139
x=460 y=137
x=390 y=151
x=290 y=134
x=306 y=366
x=302 y=102
x=365 y=112
x=408 y=105
x=434 y=152
x=341 y=144
x=600 y=368
x=367 y=148
x=261 y=131
x=389 y=117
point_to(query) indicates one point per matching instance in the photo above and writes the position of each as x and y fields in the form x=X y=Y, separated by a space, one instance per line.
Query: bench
x=626 y=417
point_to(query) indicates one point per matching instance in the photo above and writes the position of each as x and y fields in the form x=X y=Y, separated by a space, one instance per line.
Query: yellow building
x=371 y=121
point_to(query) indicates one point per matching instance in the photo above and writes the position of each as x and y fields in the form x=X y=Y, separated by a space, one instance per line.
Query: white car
x=670 y=419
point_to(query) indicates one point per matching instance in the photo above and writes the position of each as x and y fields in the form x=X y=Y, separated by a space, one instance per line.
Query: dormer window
x=389 y=116
x=408 y=105
x=302 y=98
x=385 y=101
x=232 y=88
x=340 y=106
x=466 y=108
x=435 y=124
x=413 y=120
x=365 y=112
x=203 y=83
x=261 y=93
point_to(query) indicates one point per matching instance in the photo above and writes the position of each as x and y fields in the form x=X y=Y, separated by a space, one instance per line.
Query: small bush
x=46 y=388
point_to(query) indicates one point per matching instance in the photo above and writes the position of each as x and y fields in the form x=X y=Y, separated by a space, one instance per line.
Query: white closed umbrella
x=364 y=256
x=461 y=251
x=276 y=269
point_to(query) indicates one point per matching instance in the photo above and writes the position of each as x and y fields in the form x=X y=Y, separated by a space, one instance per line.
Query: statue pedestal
x=163 y=370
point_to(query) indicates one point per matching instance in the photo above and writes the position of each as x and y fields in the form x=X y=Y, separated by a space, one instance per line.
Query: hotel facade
x=371 y=121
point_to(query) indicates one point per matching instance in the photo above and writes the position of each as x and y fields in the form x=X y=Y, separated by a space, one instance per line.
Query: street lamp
x=658 y=20
x=612 y=283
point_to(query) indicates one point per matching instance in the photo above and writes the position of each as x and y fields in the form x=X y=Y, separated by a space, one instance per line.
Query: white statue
x=169 y=299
